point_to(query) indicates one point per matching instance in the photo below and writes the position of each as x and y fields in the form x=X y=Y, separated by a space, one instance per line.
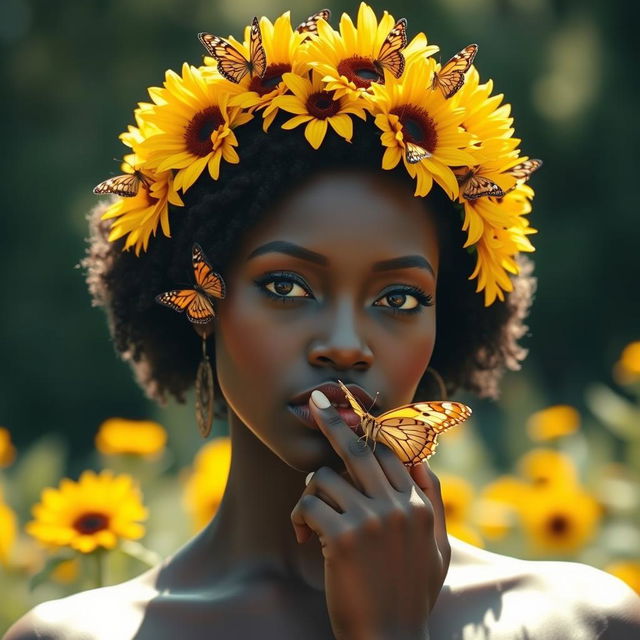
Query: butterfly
x=310 y=25
x=414 y=153
x=127 y=184
x=473 y=186
x=231 y=63
x=390 y=55
x=450 y=78
x=411 y=430
x=196 y=302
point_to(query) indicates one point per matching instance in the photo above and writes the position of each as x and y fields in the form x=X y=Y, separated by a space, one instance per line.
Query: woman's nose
x=343 y=346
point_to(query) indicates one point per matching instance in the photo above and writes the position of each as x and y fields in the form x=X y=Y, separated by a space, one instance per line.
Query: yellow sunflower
x=318 y=108
x=138 y=217
x=346 y=60
x=628 y=571
x=497 y=246
x=196 y=125
x=544 y=467
x=8 y=530
x=134 y=437
x=497 y=511
x=553 y=422
x=205 y=485
x=560 y=519
x=409 y=113
x=97 y=511
x=282 y=47
x=7 y=450
x=627 y=369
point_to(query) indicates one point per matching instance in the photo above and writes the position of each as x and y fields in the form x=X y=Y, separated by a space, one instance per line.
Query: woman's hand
x=384 y=540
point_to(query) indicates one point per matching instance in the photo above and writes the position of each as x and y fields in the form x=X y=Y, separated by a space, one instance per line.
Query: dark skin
x=362 y=550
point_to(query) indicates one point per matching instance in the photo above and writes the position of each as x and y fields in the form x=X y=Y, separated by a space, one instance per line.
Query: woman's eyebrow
x=282 y=246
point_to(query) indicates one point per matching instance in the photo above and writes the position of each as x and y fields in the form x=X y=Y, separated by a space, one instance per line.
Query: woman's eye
x=407 y=301
x=286 y=288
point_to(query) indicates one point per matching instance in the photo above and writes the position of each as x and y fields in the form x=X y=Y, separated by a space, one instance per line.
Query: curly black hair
x=474 y=346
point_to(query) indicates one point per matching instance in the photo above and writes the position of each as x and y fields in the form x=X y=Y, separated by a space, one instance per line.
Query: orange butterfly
x=231 y=63
x=450 y=78
x=310 y=25
x=127 y=184
x=196 y=302
x=411 y=430
x=473 y=186
x=390 y=55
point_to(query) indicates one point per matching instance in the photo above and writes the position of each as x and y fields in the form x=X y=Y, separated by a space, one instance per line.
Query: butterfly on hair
x=197 y=302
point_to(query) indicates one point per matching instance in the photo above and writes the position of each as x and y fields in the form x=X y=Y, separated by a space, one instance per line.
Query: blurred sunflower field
x=571 y=492
x=549 y=471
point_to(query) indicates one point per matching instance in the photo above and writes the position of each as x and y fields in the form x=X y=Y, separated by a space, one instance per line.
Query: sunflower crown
x=437 y=119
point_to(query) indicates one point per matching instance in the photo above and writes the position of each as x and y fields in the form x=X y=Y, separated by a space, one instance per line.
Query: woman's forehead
x=344 y=210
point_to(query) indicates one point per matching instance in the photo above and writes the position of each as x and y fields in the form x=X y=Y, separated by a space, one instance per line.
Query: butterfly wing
x=231 y=63
x=257 y=55
x=177 y=299
x=390 y=56
x=126 y=185
x=200 y=311
x=355 y=405
x=414 y=153
x=310 y=25
x=451 y=77
x=522 y=172
x=207 y=279
x=411 y=431
x=479 y=186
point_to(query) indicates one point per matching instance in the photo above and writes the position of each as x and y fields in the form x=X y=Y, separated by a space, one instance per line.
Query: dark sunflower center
x=91 y=522
x=271 y=79
x=417 y=126
x=321 y=105
x=198 y=133
x=361 y=71
x=558 y=525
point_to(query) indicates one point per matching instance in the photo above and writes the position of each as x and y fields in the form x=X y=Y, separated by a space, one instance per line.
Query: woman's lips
x=303 y=413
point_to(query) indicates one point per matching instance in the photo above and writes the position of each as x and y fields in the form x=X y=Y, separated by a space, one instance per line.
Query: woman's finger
x=394 y=469
x=355 y=452
x=312 y=513
x=430 y=485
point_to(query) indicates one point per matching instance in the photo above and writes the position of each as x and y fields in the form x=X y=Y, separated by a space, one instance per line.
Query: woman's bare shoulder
x=109 y=612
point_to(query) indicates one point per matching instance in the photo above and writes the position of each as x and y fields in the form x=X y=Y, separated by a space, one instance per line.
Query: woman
x=329 y=269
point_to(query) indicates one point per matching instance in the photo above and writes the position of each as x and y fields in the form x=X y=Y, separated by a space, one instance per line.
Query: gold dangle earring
x=440 y=382
x=205 y=393
x=197 y=303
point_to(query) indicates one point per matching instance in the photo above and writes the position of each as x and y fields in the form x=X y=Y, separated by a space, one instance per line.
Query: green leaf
x=50 y=566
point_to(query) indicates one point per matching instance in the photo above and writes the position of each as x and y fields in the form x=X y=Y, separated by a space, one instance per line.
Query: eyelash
x=424 y=299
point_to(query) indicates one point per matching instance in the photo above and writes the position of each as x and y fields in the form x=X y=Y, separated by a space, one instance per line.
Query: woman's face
x=310 y=300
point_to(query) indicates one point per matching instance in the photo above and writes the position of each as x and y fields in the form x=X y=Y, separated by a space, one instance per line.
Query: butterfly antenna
x=374 y=401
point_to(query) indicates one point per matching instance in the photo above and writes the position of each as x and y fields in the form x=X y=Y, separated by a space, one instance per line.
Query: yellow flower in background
x=627 y=571
x=205 y=486
x=97 y=511
x=346 y=60
x=8 y=530
x=560 y=519
x=627 y=369
x=553 y=422
x=135 y=437
x=318 y=108
x=7 y=450
x=497 y=509
x=66 y=572
x=543 y=467
x=196 y=126
x=457 y=496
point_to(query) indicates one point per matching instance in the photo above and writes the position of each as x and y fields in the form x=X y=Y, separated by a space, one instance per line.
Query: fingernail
x=319 y=399
x=307 y=480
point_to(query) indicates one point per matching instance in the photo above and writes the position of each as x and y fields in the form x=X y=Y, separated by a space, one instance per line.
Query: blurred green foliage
x=72 y=73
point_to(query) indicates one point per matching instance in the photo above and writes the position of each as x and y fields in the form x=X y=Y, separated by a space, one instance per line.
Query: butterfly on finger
x=410 y=431
x=232 y=63
x=450 y=78
x=196 y=302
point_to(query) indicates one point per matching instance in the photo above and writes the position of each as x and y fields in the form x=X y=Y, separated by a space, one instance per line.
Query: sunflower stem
x=99 y=555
